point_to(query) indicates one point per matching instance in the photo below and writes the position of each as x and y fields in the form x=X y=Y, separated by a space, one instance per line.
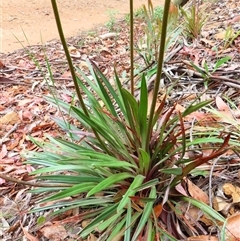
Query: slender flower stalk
x=159 y=70
x=131 y=48
x=61 y=34
x=71 y=67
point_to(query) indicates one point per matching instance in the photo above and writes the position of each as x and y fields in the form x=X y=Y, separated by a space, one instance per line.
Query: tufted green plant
x=124 y=159
x=194 y=20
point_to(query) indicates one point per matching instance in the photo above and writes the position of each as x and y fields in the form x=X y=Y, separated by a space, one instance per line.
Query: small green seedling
x=230 y=36
x=112 y=21
x=206 y=72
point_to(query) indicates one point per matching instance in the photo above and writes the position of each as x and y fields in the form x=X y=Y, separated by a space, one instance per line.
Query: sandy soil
x=34 y=19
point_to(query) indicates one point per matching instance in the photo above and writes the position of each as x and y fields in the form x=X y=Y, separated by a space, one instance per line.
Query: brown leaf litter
x=23 y=112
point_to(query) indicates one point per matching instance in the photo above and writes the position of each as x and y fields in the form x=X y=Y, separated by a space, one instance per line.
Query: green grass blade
x=144 y=161
x=109 y=222
x=128 y=230
x=196 y=107
x=72 y=204
x=150 y=231
x=205 y=208
x=221 y=62
x=142 y=112
x=55 y=168
x=66 y=145
x=108 y=182
x=101 y=128
x=166 y=235
x=107 y=100
x=145 y=214
x=173 y=171
x=149 y=184
x=109 y=86
x=132 y=116
x=131 y=108
x=115 y=231
x=107 y=213
x=119 y=100
x=70 y=179
x=138 y=180
x=74 y=190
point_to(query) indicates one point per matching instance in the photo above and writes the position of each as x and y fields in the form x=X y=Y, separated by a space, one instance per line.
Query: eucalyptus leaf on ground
x=124 y=155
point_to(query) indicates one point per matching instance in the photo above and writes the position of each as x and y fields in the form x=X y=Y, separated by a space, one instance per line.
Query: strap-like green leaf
x=132 y=114
x=131 y=106
x=142 y=112
x=107 y=100
x=74 y=190
x=107 y=213
x=173 y=171
x=109 y=87
x=109 y=222
x=116 y=230
x=83 y=202
x=144 y=161
x=108 y=182
x=138 y=180
x=221 y=62
x=145 y=214
x=196 y=107
x=101 y=128
x=70 y=178
x=205 y=208
x=128 y=230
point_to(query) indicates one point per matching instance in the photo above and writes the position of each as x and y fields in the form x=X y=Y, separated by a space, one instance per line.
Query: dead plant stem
x=15 y=180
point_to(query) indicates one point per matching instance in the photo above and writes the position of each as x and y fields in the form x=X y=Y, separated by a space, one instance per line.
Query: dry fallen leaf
x=193 y=215
x=29 y=236
x=232 y=228
x=233 y=20
x=173 y=13
x=2 y=181
x=221 y=105
x=91 y=237
x=86 y=222
x=24 y=63
x=2 y=66
x=224 y=113
x=201 y=117
x=54 y=232
x=10 y=118
x=196 y=192
x=203 y=238
x=158 y=210
x=220 y=204
x=3 y=152
x=74 y=52
x=221 y=35
x=83 y=65
x=25 y=102
x=233 y=191
x=207 y=41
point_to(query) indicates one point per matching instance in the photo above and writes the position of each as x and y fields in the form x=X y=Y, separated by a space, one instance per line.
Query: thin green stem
x=71 y=67
x=60 y=31
x=159 y=69
x=131 y=48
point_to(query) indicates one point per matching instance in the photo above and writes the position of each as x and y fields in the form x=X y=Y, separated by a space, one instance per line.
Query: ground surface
x=35 y=19
x=24 y=112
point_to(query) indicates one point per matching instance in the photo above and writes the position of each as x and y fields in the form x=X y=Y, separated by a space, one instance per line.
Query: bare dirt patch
x=35 y=19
